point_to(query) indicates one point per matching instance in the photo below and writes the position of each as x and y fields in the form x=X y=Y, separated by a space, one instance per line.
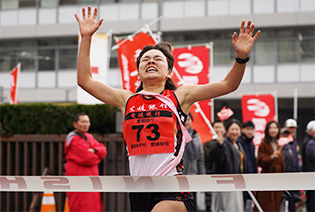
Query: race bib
x=149 y=132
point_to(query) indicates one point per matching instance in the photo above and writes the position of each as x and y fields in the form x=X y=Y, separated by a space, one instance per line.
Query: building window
x=288 y=51
x=264 y=52
x=222 y=52
x=46 y=60
x=113 y=61
x=67 y=2
x=48 y=3
x=68 y=58
x=9 y=4
x=307 y=50
x=7 y=60
x=27 y=59
x=74 y=2
x=27 y=3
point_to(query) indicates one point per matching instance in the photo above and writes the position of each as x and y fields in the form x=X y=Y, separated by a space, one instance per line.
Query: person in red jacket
x=83 y=154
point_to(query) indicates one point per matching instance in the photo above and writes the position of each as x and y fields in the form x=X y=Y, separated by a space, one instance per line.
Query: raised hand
x=275 y=154
x=87 y=25
x=245 y=40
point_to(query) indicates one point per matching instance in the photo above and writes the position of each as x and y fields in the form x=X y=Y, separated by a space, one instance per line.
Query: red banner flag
x=14 y=76
x=260 y=109
x=192 y=67
x=128 y=52
x=225 y=113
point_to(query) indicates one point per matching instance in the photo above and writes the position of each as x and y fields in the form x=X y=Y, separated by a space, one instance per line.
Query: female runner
x=153 y=120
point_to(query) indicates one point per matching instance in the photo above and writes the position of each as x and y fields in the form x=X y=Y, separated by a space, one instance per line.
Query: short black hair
x=76 y=117
x=217 y=121
x=232 y=121
x=248 y=124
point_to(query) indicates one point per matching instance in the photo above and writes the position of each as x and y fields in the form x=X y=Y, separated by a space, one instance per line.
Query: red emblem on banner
x=225 y=113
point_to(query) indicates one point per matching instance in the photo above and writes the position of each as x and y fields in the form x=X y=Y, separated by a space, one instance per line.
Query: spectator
x=228 y=158
x=219 y=129
x=83 y=154
x=246 y=141
x=194 y=162
x=291 y=126
x=291 y=163
x=308 y=156
x=270 y=159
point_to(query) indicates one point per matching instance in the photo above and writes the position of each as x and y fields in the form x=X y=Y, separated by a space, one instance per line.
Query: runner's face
x=153 y=64
x=83 y=124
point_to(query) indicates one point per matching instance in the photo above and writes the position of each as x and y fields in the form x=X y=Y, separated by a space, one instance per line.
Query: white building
x=43 y=36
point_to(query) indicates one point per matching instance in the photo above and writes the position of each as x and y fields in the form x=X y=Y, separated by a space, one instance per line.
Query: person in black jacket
x=246 y=141
x=219 y=129
x=308 y=157
x=290 y=154
x=229 y=158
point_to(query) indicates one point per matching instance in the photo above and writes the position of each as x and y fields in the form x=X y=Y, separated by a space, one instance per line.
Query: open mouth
x=151 y=69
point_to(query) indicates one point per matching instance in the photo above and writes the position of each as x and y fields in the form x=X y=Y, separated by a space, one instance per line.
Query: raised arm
x=242 y=44
x=105 y=93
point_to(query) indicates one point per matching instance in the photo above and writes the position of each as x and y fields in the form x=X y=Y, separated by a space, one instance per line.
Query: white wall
x=265 y=6
x=172 y=9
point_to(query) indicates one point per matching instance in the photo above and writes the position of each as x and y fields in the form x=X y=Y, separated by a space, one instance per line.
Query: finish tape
x=228 y=182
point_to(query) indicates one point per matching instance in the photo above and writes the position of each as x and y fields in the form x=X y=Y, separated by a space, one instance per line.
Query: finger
x=83 y=13
x=252 y=28
x=77 y=17
x=242 y=27
x=234 y=36
x=89 y=11
x=95 y=13
x=257 y=35
x=99 y=23
x=248 y=26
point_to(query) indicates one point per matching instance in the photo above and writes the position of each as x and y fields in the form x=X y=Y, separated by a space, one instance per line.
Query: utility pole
x=1 y=94
x=159 y=32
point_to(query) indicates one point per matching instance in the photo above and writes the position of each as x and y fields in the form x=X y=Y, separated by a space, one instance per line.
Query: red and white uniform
x=151 y=132
x=81 y=162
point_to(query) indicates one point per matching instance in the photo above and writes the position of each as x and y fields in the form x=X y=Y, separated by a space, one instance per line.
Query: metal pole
x=160 y=13
x=255 y=201
x=295 y=104
x=276 y=104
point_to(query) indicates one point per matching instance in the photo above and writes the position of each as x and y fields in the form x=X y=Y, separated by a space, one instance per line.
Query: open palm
x=245 y=40
x=87 y=25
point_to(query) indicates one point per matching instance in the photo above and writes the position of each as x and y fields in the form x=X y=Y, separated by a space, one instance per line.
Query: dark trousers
x=310 y=201
x=292 y=197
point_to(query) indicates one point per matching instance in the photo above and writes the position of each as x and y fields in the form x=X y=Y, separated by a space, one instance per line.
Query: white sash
x=186 y=137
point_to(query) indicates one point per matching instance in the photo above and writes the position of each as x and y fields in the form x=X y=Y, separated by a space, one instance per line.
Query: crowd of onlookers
x=234 y=152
